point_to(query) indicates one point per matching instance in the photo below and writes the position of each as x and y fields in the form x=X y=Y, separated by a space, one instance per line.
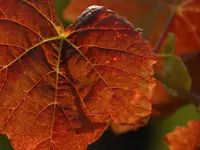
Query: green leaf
x=169 y=45
x=174 y=69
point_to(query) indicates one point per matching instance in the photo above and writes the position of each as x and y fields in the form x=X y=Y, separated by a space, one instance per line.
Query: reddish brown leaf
x=187 y=138
x=60 y=89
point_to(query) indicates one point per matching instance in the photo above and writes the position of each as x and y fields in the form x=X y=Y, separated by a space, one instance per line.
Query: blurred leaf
x=169 y=46
x=166 y=100
x=176 y=71
x=186 y=26
x=174 y=68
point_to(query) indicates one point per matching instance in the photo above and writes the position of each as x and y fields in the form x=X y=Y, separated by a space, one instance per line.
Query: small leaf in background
x=169 y=45
x=166 y=100
x=185 y=138
x=186 y=26
x=61 y=89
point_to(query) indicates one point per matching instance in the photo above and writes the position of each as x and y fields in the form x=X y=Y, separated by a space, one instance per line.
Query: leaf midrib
x=31 y=48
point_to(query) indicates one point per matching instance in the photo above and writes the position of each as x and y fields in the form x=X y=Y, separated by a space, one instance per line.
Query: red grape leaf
x=187 y=138
x=60 y=89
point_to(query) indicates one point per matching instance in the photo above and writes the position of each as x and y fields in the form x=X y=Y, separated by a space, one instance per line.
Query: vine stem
x=165 y=31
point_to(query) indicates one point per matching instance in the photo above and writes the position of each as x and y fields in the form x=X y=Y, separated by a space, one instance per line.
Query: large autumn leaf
x=187 y=138
x=60 y=89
